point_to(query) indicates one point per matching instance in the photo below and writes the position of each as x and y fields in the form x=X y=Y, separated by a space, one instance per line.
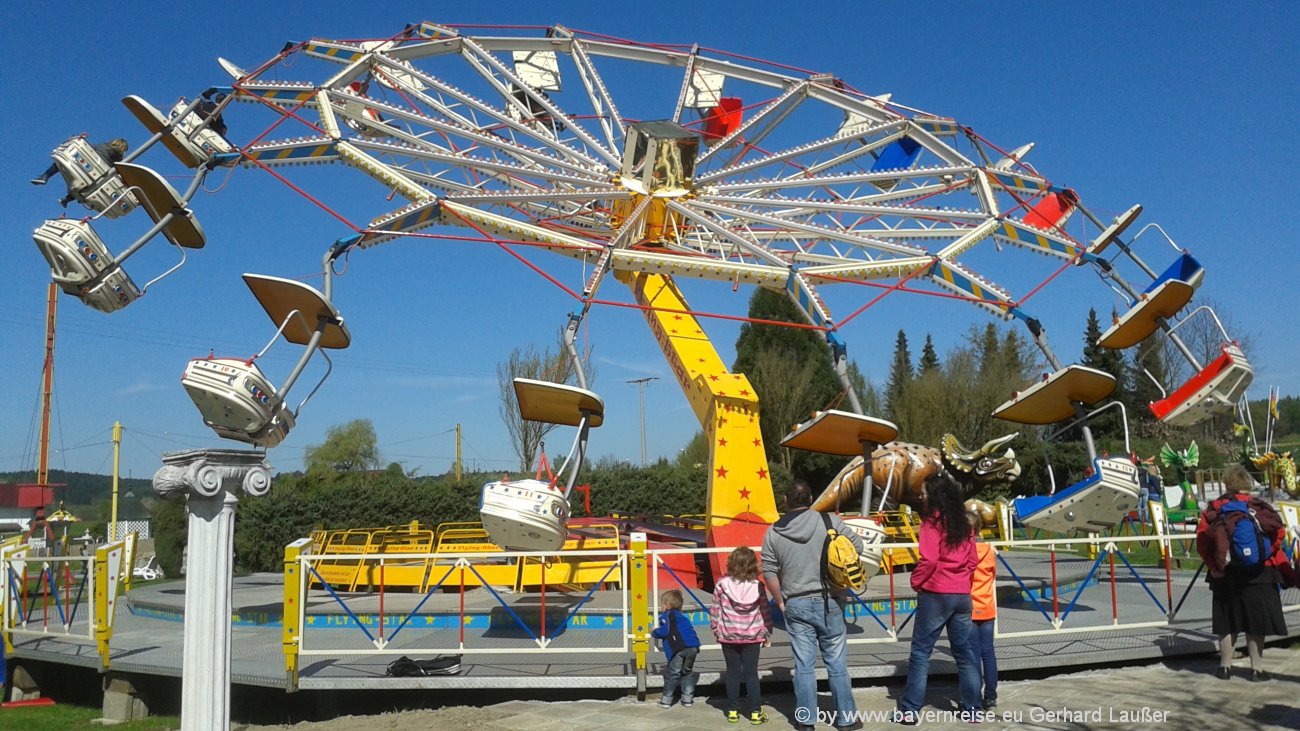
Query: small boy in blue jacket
x=680 y=645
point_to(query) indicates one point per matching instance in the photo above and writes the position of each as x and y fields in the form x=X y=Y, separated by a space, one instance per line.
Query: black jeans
x=742 y=663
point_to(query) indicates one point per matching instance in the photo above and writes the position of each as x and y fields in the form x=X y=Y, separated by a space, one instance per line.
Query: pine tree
x=901 y=376
x=1148 y=358
x=929 y=359
x=1107 y=360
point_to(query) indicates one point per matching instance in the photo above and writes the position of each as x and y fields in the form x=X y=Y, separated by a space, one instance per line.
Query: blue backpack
x=1248 y=547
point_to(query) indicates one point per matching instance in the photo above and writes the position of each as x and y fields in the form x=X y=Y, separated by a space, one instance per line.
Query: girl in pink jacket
x=742 y=622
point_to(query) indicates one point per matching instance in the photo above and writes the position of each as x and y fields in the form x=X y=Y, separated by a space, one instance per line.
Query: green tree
x=347 y=447
x=791 y=371
x=1107 y=360
x=900 y=377
x=1147 y=370
x=929 y=359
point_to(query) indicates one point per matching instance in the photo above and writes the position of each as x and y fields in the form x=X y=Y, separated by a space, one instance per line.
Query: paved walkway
x=1180 y=693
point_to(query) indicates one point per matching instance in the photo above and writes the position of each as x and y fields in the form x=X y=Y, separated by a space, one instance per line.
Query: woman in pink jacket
x=942 y=580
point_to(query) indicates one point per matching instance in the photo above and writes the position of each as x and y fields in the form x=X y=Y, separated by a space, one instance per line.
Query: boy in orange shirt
x=984 y=611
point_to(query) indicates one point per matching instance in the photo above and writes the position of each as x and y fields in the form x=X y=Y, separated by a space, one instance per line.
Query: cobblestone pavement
x=1180 y=693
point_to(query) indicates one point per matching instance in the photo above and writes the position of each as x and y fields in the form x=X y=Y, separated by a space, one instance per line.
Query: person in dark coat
x=1245 y=599
x=112 y=151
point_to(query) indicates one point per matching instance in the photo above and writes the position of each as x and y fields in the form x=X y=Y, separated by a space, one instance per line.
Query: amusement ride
x=650 y=164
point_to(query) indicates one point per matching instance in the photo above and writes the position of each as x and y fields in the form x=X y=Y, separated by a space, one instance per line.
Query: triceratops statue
x=901 y=468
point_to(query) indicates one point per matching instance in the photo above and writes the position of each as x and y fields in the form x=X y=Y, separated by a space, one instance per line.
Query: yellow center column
x=739 y=503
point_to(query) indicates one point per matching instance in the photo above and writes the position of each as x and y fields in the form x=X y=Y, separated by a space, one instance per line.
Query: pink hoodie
x=740 y=613
x=942 y=569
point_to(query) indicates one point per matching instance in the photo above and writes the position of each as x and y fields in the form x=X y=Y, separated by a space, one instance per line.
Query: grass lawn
x=69 y=718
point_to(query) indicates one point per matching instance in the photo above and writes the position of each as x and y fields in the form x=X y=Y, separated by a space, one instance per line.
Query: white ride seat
x=185 y=135
x=525 y=514
x=236 y=400
x=77 y=256
x=91 y=179
x=531 y=515
x=81 y=263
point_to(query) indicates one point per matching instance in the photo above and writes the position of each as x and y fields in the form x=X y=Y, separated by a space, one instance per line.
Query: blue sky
x=1187 y=108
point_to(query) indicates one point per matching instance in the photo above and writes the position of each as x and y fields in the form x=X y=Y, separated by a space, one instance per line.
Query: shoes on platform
x=1223 y=673
x=1259 y=676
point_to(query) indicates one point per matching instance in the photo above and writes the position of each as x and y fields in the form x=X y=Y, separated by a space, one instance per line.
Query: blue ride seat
x=1093 y=504
x=1185 y=269
x=898 y=155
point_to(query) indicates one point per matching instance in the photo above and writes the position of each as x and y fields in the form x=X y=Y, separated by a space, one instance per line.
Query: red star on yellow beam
x=722 y=472
x=744 y=493
x=762 y=474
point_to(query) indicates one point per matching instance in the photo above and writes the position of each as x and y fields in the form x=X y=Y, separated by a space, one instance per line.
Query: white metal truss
x=824 y=182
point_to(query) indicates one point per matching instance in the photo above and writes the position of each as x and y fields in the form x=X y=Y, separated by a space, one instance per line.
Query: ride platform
x=281 y=298
x=841 y=433
x=159 y=199
x=558 y=403
x=1052 y=400
x=148 y=630
x=1143 y=318
x=1113 y=231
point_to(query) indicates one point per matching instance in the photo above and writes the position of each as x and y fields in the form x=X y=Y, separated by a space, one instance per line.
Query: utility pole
x=640 y=384
x=458 y=465
x=117 y=460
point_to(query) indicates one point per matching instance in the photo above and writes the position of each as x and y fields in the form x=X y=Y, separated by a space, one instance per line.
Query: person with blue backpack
x=1240 y=539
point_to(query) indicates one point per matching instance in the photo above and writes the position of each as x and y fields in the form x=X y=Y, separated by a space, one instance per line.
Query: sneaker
x=38 y=181
x=990 y=704
x=665 y=703
x=733 y=716
x=855 y=726
x=758 y=718
x=687 y=703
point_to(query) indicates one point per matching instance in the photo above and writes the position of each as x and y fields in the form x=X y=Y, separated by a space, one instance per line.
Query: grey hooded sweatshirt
x=792 y=550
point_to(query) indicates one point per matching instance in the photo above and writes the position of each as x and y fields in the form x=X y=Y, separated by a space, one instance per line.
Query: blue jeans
x=681 y=669
x=981 y=644
x=933 y=613
x=814 y=623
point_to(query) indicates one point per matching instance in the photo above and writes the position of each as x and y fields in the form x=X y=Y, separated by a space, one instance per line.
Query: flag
x=1272 y=403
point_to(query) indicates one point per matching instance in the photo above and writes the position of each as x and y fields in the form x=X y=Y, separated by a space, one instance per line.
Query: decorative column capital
x=210 y=472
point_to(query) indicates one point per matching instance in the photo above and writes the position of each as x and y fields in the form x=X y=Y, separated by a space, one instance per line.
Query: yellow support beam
x=739 y=503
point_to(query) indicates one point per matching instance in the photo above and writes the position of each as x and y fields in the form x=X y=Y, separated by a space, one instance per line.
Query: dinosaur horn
x=993 y=445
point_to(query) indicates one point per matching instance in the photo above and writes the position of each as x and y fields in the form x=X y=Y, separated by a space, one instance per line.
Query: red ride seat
x=1215 y=389
x=723 y=119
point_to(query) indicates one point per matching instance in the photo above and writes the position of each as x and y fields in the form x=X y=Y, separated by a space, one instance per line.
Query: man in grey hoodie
x=814 y=616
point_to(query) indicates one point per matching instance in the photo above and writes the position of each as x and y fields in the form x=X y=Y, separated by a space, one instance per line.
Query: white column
x=209 y=478
x=205 y=685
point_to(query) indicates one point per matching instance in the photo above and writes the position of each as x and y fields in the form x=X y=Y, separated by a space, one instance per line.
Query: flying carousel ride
x=655 y=163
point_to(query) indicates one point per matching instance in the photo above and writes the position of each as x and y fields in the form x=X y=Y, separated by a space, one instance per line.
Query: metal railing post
x=638 y=585
x=290 y=613
x=103 y=625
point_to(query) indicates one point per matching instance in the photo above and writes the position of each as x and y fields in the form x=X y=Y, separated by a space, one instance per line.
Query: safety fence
x=1045 y=587
x=71 y=597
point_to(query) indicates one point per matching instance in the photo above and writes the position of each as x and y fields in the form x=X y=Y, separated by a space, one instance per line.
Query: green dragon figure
x=1181 y=463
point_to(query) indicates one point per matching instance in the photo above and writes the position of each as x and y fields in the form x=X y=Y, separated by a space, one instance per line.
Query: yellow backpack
x=841 y=567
